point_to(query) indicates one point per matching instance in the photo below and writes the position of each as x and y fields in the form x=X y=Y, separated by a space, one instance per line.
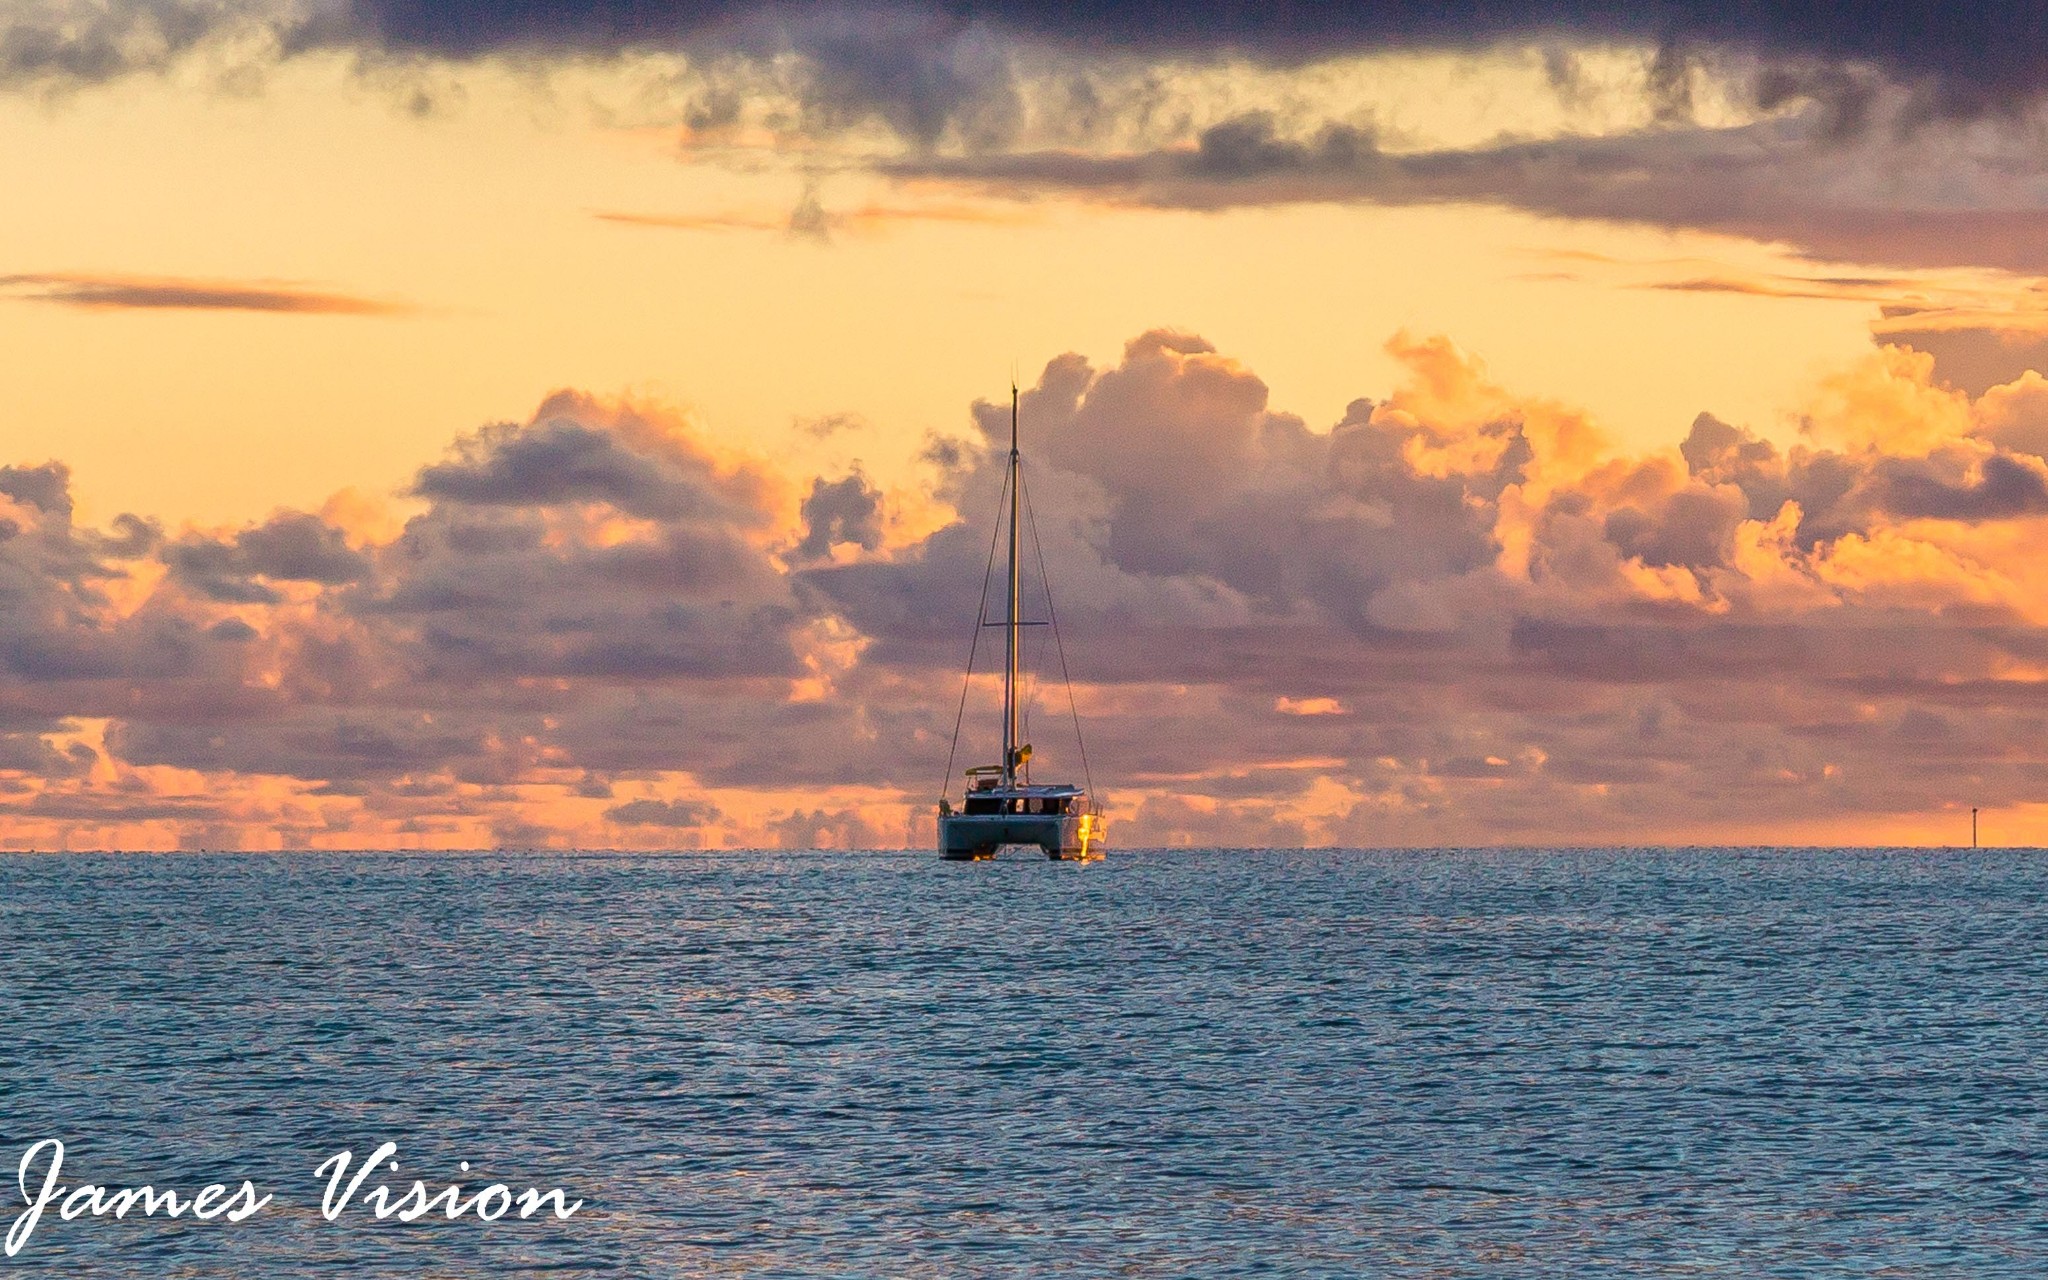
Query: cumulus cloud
x=290 y=547
x=1456 y=613
x=417 y=682
x=1487 y=603
x=628 y=463
x=663 y=813
x=844 y=512
x=1972 y=357
x=46 y=488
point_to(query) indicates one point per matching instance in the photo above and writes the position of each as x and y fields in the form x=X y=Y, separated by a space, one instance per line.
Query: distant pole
x=1973 y=826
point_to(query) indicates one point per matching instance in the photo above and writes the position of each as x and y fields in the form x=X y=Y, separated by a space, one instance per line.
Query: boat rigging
x=1002 y=805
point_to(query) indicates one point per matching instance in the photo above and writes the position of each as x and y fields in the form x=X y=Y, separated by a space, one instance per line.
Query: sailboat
x=1002 y=805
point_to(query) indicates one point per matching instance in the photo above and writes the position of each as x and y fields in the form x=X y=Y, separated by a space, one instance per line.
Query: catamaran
x=1002 y=805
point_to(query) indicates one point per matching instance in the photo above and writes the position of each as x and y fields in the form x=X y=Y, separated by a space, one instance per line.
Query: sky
x=535 y=424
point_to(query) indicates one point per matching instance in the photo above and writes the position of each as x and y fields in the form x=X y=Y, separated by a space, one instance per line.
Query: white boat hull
x=1073 y=837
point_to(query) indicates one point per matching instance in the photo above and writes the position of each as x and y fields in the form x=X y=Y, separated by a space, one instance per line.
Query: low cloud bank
x=1457 y=614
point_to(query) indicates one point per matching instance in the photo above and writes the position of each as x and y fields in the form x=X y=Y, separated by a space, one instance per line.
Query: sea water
x=1175 y=1063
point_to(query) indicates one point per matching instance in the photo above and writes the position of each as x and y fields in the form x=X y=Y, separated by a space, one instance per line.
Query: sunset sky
x=515 y=424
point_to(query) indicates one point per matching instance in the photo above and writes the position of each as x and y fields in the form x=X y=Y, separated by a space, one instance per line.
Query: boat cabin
x=1051 y=801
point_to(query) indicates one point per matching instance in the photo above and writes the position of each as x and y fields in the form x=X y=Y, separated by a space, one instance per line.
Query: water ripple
x=1462 y=1063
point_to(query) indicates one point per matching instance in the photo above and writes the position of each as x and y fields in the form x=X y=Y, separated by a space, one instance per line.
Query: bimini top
x=1027 y=791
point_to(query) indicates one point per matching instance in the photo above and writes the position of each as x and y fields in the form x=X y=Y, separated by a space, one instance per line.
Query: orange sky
x=1423 y=420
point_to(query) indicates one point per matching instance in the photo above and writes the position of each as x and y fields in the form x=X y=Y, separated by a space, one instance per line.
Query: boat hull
x=971 y=837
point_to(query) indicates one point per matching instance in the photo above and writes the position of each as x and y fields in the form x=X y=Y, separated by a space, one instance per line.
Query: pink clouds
x=1456 y=615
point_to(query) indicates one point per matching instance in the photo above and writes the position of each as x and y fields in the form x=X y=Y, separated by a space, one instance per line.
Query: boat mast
x=1010 y=735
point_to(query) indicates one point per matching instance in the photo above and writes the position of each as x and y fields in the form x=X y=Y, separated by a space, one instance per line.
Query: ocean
x=1525 y=1062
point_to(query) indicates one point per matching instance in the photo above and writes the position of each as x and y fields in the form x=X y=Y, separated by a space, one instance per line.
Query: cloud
x=1734 y=563
x=79 y=40
x=415 y=680
x=156 y=293
x=1455 y=614
x=663 y=813
x=1778 y=178
x=627 y=462
x=1972 y=357
x=812 y=218
x=1809 y=288
x=2003 y=487
x=1906 y=138
x=47 y=487
x=763 y=221
x=290 y=547
x=828 y=829
x=594 y=541
x=1971 y=59
x=845 y=512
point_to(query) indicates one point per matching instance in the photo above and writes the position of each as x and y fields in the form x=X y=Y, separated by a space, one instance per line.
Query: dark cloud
x=1679 y=650
x=1715 y=447
x=1898 y=234
x=47 y=487
x=828 y=829
x=1975 y=359
x=56 y=614
x=844 y=512
x=316 y=744
x=1974 y=54
x=663 y=813
x=558 y=460
x=929 y=71
x=141 y=293
x=1780 y=179
x=94 y=42
x=30 y=753
x=485 y=589
x=1694 y=528
x=1854 y=160
x=133 y=537
x=831 y=424
x=210 y=568
x=808 y=219
x=1837 y=493
x=95 y=811
x=296 y=547
x=289 y=547
x=2005 y=487
x=1974 y=51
